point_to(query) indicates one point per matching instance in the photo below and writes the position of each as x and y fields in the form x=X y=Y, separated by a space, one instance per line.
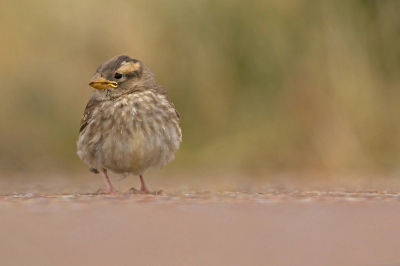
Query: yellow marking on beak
x=100 y=83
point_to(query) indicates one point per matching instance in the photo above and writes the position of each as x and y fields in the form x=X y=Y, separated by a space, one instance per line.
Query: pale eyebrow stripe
x=128 y=67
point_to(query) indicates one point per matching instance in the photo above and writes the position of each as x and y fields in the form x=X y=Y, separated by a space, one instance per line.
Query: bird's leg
x=144 y=189
x=110 y=188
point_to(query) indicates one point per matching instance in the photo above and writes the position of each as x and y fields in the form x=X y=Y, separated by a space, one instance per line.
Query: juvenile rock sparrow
x=129 y=124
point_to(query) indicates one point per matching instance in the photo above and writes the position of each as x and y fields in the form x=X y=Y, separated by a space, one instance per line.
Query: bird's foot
x=132 y=191
x=141 y=192
x=161 y=192
x=107 y=192
x=146 y=191
x=101 y=192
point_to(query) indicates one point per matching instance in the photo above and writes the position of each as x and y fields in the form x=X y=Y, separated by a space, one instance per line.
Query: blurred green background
x=260 y=85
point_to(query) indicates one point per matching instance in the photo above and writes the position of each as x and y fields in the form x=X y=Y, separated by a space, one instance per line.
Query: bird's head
x=122 y=74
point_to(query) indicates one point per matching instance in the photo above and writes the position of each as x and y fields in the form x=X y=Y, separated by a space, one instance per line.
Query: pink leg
x=144 y=189
x=110 y=188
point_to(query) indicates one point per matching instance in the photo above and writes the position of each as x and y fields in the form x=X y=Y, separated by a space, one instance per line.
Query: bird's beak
x=100 y=83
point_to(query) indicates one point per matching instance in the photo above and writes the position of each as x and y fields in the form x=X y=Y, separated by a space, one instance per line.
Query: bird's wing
x=87 y=115
x=160 y=90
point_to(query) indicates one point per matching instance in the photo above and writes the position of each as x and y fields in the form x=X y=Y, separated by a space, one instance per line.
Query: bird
x=129 y=125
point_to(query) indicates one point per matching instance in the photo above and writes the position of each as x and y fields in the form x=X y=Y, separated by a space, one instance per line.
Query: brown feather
x=87 y=115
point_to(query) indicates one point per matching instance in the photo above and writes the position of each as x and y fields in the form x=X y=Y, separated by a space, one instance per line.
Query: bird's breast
x=133 y=132
x=143 y=113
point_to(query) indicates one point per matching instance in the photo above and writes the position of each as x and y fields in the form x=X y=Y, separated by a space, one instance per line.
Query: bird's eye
x=117 y=75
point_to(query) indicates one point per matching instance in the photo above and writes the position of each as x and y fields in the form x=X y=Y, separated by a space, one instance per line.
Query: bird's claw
x=106 y=192
x=101 y=192
x=141 y=192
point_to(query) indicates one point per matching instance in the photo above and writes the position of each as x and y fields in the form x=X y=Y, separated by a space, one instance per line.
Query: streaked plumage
x=129 y=124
